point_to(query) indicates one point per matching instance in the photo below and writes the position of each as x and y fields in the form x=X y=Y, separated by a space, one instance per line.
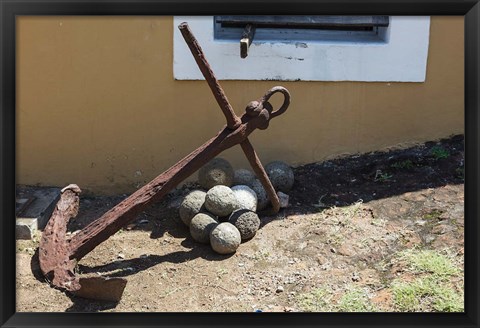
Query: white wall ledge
x=402 y=58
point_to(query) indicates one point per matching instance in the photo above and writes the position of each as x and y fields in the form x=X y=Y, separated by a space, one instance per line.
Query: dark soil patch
x=377 y=175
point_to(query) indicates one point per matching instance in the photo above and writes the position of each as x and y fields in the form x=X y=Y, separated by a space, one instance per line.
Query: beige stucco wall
x=97 y=104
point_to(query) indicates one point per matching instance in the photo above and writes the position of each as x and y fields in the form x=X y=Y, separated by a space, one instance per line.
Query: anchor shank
x=232 y=120
x=261 y=174
x=126 y=211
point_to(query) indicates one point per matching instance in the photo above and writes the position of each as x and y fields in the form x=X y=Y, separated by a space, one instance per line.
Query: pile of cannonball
x=224 y=213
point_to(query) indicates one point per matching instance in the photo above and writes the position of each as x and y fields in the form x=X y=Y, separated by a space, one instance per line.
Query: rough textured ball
x=281 y=175
x=201 y=226
x=191 y=205
x=247 y=223
x=216 y=172
x=262 y=197
x=220 y=201
x=225 y=238
x=246 y=197
x=171 y=212
x=243 y=177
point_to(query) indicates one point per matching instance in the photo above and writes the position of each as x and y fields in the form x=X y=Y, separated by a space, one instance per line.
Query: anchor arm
x=126 y=211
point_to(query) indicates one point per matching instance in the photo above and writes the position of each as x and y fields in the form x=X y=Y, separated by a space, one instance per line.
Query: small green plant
x=407 y=164
x=432 y=289
x=355 y=300
x=432 y=215
x=382 y=177
x=423 y=293
x=318 y=300
x=439 y=152
x=429 y=261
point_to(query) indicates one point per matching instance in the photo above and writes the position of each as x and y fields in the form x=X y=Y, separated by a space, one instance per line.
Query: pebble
x=283 y=198
x=355 y=277
x=279 y=289
x=420 y=222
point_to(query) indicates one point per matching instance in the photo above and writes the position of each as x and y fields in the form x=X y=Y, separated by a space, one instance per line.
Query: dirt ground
x=376 y=232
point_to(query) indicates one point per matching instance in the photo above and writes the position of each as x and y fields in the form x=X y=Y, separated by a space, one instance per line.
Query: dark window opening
x=308 y=28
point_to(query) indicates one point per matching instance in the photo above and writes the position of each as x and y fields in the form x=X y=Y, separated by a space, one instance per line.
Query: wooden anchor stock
x=58 y=255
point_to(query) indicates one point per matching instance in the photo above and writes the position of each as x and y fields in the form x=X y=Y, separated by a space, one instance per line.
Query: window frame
x=402 y=57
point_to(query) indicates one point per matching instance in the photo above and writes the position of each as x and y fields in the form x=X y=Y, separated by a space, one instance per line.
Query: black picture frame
x=9 y=9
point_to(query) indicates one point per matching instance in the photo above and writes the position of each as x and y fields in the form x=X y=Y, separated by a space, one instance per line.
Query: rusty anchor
x=58 y=255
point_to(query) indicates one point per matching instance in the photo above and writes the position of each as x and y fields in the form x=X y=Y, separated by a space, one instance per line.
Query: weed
x=262 y=255
x=318 y=300
x=432 y=215
x=378 y=222
x=321 y=300
x=439 y=152
x=406 y=164
x=355 y=300
x=426 y=292
x=221 y=272
x=335 y=238
x=428 y=261
x=432 y=289
x=382 y=177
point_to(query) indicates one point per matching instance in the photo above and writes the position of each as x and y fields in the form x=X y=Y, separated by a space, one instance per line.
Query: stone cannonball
x=172 y=209
x=281 y=175
x=247 y=223
x=262 y=197
x=191 y=205
x=243 y=177
x=201 y=226
x=216 y=172
x=246 y=197
x=220 y=200
x=225 y=238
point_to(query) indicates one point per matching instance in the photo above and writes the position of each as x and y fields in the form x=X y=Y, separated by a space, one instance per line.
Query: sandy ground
x=344 y=244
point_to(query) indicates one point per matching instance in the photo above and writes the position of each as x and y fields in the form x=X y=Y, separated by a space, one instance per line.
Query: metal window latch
x=247 y=39
x=58 y=255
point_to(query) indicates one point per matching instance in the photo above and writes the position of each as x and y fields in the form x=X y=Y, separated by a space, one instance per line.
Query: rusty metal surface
x=58 y=256
x=197 y=52
x=54 y=252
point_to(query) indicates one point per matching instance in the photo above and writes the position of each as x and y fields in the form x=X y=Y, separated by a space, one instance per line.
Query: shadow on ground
x=318 y=186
